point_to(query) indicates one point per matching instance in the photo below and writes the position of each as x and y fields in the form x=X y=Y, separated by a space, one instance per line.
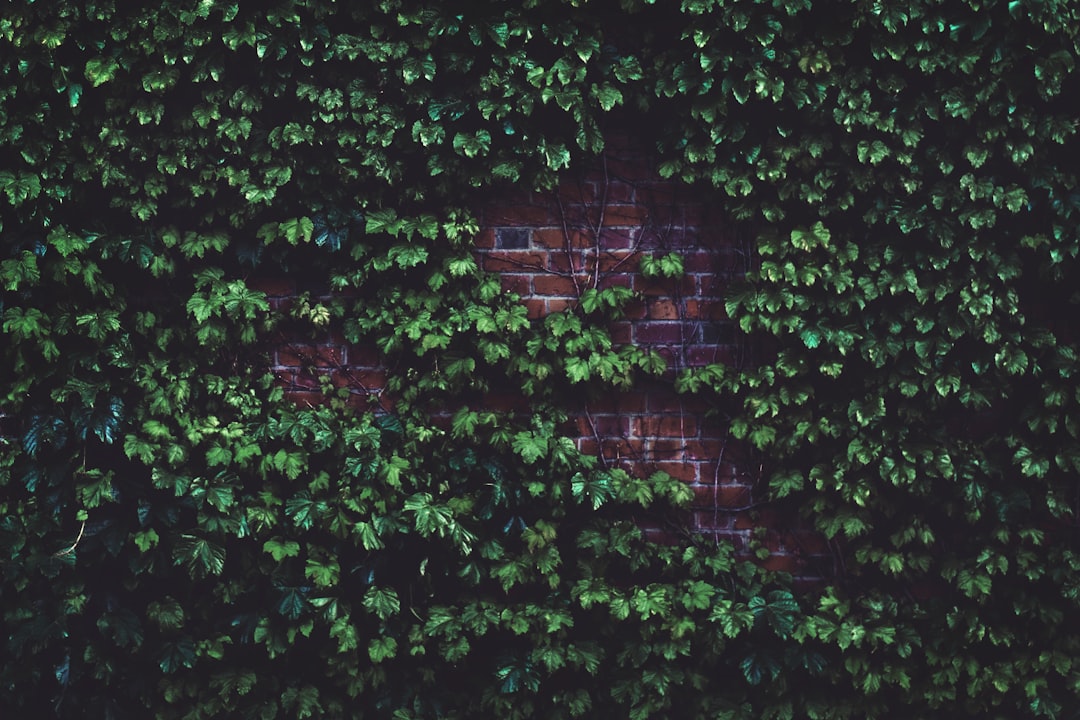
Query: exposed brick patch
x=592 y=232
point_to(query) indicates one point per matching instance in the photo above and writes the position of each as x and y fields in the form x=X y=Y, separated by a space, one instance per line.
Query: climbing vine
x=180 y=539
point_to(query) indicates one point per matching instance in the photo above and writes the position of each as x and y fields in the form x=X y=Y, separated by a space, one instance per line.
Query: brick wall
x=549 y=248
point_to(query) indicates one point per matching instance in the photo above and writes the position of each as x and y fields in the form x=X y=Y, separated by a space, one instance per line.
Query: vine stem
x=70 y=550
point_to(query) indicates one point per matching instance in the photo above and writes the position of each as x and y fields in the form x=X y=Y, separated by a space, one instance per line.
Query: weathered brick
x=305 y=398
x=514 y=261
x=626 y=261
x=660 y=308
x=687 y=472
x=783 y=563
x=485 y=239
x=682 y=425
x=554 y=305
x=520 y=215
x=658 y=332
x=520 y=283
x=620 y=333
x=565 y=262
x=721 y=496
x=556 y=285
x=700 y=355
x=712 y=520
x=625 y=215
x=613 y=239
x=603 y=425
x=535 y=308
x=581 y=191
x=513 y=238
x=311 y=355
x=558 y=238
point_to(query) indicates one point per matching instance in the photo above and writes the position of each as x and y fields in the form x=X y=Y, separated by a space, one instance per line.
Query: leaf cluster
x=908 y=174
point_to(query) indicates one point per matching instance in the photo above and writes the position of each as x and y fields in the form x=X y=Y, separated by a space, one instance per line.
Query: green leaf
x=200 y=556
x=382 y=648
x=280 y=549
x=383 y=602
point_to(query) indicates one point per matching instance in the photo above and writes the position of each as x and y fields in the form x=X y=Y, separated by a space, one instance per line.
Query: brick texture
x=592 y=232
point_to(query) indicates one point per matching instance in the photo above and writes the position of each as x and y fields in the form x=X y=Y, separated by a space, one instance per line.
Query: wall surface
x=550 y=248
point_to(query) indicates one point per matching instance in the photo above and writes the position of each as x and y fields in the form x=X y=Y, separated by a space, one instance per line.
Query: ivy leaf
x=100 y=70
x=530 y=446
x=280 y=549
x=176 y=655
x=382 y=648
x=383 y=602
x=292 y=602
x=200 y=556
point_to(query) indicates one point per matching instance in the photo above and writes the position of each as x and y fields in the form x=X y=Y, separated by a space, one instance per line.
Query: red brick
x=687 y=472
x=713 y=520
x=625 y=215
x=297 y=380
x=517 y=283
x=616 y=191
x=744 y=521
x=619 y=238
x=630 y=402
x=807 y=543
x=671 y=426
x=686 y=285
x=705 y=309
x=310 y=355
x=694 y=215
x=603 y=425
x=514 y=261
x=617 y=448
x=658 y=332
x=557 y=238
x=365 y=380
x=715 y=472
x=555 y=285
x=565 y=262
x=620 y=333
x=635 y=310
x=363 y=356
x=626 y=261
x=485 y=239
x=587 y=446
x=705 y=448
x=273 y=287
x=661 y=308
x=662 y=537
x=630 y=166
x=721 y=495
x=555 y=305
x=519 y=216
x=699 y=355
x=700 y=261
x=576 y=193
x=657 y=194
x=615 y=280
x=783 y=563
x=305 y=398
x=535 y=308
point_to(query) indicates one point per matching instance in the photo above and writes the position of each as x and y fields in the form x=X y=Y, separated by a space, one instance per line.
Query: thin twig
x=70 y=550
x=567 y=247
x=600 y=221
x=596 y=436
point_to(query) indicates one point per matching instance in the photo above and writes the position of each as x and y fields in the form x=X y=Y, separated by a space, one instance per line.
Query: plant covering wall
x=179 y=540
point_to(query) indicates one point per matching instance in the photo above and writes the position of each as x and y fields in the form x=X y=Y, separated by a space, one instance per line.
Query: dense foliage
x=178 y=541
